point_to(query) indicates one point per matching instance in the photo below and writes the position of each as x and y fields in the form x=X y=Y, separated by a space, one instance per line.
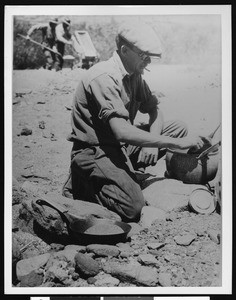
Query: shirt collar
x=120 y=65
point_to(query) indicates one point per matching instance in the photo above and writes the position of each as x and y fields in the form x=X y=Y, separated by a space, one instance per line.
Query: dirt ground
x=42 y=101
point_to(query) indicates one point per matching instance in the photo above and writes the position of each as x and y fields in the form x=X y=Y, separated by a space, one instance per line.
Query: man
x=48 y=40
x=108 y=149
x=63 y=36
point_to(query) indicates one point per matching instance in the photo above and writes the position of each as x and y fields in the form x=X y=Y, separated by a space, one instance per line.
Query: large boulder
x=25 y=266
x=149 y=214
x=103 y=250
x=169 y=194
x=86 y=265
x=132 y=273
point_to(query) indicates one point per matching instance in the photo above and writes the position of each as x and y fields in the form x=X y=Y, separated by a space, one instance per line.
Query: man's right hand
x=195 y=142
x=27 y=37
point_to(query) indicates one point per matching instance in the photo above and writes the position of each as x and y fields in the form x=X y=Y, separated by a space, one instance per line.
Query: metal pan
x=100 y=231
x=89 y=230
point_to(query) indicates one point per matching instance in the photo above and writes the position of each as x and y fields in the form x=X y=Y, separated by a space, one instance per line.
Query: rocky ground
x=179 y=248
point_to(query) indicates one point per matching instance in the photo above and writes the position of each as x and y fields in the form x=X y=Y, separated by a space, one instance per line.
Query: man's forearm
x=156 y=121
x=124 y=132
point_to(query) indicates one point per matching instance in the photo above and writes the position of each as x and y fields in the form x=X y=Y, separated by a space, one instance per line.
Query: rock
x=184 y=240
x=172 y=194
x=86 y=265
x=15 y=101
x=57 y=270
x=91 y=254
x=56 y=247
x=125 y=254
x=30 y=245
x=91 y=280
x=148 y=260
x=17 y=196
x=16 y=253
x=26 y=266
x=200 y=232
x=103 y=250
x=125 y=250
x=155 y=246
x=171 y=216
x=31 y=280
x=106 y=280
x=135 y=229
x=41 y=124
x=170 y=258
x=67 y=255
x=26 y=131
x=191 y=252
x=22 y=91
x=30 y=187
x=164 y=279
x=149 y=214
x=132 y=273
x=53 y=137
x=124 y=246
x=214 y=235
x=78 y=248
x=49 y=224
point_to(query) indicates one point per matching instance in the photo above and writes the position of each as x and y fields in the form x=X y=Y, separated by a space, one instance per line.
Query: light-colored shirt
x=63 y=35
x=107 y=90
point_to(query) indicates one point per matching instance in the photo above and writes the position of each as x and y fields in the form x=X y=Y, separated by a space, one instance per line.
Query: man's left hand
x=148 y=156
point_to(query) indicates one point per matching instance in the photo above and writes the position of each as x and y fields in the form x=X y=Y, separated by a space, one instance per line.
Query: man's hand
x=193 y=142
x=28 y=37
x=148 y=156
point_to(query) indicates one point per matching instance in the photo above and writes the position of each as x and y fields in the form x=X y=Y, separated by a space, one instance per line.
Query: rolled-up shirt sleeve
x=106 y=94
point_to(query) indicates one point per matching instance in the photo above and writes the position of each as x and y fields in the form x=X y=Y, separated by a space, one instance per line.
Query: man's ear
x=123 y=50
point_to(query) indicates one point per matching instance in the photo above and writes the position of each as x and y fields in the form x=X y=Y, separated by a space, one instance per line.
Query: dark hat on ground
x=142 y=36
x=66 y=21
x=54 y=21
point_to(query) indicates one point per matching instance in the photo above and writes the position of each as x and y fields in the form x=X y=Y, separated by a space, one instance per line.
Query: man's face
x=66 y=26
x=53 y=25
x=137 y=61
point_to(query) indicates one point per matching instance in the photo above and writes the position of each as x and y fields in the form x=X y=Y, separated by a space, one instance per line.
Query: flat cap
x=142 y=36
x=53 y=21
x=66 y=21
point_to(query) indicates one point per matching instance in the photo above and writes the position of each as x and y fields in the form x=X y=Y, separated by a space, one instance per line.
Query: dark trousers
x=59 y=58
x=106 y=175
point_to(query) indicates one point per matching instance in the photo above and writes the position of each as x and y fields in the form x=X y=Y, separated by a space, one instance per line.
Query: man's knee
x=126 y=204
x=134 y=214
x=131 y=210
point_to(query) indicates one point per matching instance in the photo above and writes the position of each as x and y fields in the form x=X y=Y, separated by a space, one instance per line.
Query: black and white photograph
x=118 y=150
